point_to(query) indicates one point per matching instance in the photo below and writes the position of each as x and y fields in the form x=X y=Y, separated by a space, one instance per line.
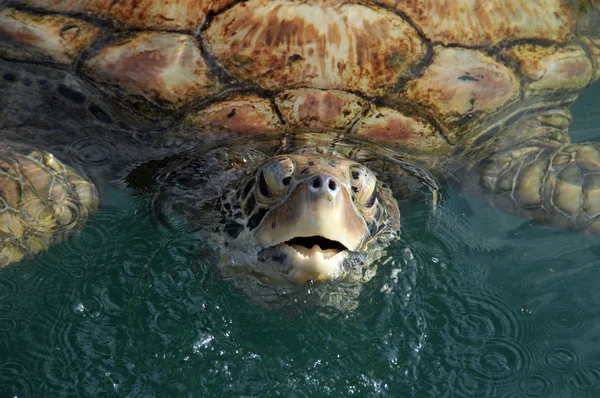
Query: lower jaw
x=319 y=266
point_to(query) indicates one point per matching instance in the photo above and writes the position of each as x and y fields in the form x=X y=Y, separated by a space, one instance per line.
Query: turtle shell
x=423 y=76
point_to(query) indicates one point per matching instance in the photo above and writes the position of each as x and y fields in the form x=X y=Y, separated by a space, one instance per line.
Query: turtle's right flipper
x=544 y=180
x=42 y=202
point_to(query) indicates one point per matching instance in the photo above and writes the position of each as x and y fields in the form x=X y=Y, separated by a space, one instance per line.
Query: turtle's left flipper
x=547 y=181
x=42 y=201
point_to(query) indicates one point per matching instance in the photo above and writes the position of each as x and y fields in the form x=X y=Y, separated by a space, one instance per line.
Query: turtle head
x=316 y=217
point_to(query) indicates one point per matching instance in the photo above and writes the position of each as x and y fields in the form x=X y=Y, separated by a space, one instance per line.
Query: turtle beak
x=314 y=230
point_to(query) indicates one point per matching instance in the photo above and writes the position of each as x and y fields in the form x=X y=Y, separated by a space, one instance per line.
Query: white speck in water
x=202 y=342
x=418 y=347
x=408 y=254
x=114 y=384
x=435 y=260
x=79 y=308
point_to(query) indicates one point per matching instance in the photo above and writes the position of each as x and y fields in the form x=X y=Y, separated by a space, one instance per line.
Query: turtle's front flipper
x=546 y=180
x=42 y=202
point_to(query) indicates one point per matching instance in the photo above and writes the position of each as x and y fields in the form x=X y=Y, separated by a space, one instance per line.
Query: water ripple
x=473 y=316
x=91 y=242
x=94 y=150
x=8 y=286
x=7 y=324
x=562 y=358
x=585 y=379
x=17 y=381
x=485 y=314
x=536 y=385
x=497 y=361
x=564 y=317
x=467 y=386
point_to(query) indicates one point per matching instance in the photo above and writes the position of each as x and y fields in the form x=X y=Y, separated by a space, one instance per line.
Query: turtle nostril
x=316 y=183
x=332 y=185
x=324 y=184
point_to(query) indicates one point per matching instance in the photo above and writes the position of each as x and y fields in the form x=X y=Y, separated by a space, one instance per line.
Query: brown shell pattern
x=550 y=69
x=324 y=45
x=435 y=69
x=185 y=15
x=53 y=38
x=164 y=67
x=476 y=23
x=463 y=84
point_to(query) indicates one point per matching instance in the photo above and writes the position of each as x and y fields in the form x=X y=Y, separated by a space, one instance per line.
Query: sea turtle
x=347 y=93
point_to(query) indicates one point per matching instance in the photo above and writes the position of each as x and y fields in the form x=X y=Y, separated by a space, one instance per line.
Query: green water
x=471 y=302
x=487 y=305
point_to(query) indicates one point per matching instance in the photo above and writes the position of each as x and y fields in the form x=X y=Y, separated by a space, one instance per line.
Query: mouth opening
x=309 y=242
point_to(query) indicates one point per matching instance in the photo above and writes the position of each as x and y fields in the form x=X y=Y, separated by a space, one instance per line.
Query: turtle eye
x=371 y=201
x=263 y=187
x=275 y=177
x=364 y=186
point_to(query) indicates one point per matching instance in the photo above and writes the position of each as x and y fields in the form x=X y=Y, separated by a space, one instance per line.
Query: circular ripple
x=585 y=379
x=485 y=314
x=498 y=361
x=15 y=380
x=50 y=354
x=564 y=317
x=6 y=306
x=536 y=385
x=466 y=386
x=8 y=286
x=93 y=150
x=69 y=335
x=75 y=258
x=439 y=310
x=65 y=260
x=100 y=229
x=441 y=245
x=7 y=324
x=138 y=249
x=562 y=358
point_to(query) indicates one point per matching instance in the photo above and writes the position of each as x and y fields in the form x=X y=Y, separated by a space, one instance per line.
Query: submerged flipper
x=548 y=181
x=42 y=202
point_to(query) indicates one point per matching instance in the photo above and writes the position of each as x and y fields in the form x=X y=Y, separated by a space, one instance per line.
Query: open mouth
x=311 y=245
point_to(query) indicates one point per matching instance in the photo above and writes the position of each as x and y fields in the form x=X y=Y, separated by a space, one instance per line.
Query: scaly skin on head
x=314 y=218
